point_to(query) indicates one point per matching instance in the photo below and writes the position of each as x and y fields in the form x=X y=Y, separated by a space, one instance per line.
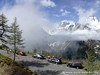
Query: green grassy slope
x=8 y=67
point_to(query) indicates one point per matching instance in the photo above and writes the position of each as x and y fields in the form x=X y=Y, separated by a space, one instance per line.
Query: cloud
x=97 y=4
x=64 y=12
x=79 y=31
x=48 y=3
x=84 y=14
x=24 y=1
x=56 y=15
x=30 y=19
x=64 y=33
x=61 y=10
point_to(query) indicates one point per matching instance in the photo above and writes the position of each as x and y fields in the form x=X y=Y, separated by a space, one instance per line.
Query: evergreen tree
x=16 y=37
x=90 y=55
x=35 y=51
x=81 y=52
x=84 y=46
x=4 y=29
x=68 y=54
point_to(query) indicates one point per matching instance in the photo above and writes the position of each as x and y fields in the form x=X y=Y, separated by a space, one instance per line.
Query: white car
x=38 y=56
x=55 y=60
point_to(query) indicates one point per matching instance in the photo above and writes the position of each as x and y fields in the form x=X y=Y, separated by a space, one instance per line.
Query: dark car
x=75 y=65
x=55 y=60
x=38 y=56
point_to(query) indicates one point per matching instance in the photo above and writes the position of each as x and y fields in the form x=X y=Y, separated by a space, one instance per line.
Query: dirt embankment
x=8 y=67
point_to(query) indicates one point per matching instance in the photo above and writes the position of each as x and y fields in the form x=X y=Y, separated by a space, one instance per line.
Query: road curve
x=43 y=67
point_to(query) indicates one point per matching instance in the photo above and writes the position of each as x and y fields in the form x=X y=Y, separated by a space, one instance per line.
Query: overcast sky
x=34 y=14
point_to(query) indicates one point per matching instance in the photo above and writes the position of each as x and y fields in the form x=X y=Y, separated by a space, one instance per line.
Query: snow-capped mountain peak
x=92 y=19
x=65 y=26
x=69 y=30
x=93 y=23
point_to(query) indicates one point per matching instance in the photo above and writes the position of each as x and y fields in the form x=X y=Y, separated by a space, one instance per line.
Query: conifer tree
x=4 y=29
x=15 y=39
x=4 y=33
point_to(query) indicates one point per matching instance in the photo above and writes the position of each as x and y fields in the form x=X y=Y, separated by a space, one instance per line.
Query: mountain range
x=67 y=33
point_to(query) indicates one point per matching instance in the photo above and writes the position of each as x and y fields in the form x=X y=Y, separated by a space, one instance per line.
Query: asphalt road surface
x=43 y=67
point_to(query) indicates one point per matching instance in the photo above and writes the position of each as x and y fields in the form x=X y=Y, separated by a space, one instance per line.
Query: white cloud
x=84 y=14
x=64 y=33
x=56 y=15
x=97 y=4
x=24 y=1
x=30 y=19
x=48 y=3
x=64 y=12
x=61 y=10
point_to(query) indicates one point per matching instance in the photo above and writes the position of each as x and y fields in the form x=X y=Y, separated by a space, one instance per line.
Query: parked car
x=38 y=56
x=21 y=53
x=75 y=65
x=55 y=60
